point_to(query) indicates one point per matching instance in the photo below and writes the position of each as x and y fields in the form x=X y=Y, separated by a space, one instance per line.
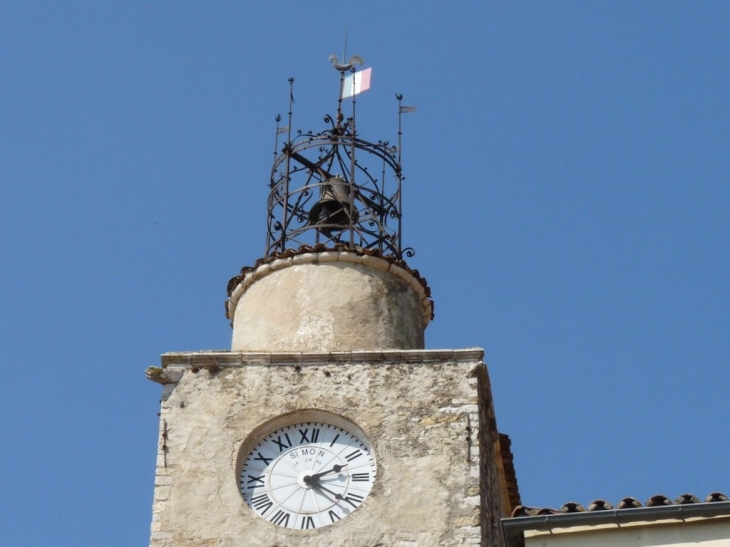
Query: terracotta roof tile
x=572 y=507
x=599 y=505
x=656 y=501
x=716 y=496
x=524 y=511
x=686 y=499
x=626 y=503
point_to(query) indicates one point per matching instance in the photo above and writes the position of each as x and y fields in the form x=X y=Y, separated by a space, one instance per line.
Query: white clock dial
x=307 y=475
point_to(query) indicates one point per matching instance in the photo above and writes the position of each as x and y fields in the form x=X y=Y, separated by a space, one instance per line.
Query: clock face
x=308 y=474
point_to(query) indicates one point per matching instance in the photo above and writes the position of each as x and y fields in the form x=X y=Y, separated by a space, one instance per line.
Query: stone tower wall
x=427 y=413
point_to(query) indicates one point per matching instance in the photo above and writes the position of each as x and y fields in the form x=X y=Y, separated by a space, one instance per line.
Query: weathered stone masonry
x=428 y=414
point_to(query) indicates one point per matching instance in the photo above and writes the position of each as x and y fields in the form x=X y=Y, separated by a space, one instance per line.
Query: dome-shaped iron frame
x=303 y=175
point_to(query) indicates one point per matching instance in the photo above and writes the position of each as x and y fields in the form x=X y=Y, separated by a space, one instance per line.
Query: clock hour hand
x=315 y=478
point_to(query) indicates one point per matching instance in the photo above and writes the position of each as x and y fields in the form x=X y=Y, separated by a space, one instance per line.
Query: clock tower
x=328 y=423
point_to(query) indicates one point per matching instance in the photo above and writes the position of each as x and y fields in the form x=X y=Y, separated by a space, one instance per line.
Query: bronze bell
x=333 y=208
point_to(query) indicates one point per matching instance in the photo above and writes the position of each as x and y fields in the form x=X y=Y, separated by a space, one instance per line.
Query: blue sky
x=567 y=195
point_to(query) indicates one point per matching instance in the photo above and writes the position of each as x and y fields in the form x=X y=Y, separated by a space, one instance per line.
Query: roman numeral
x=286 y=443
x=306 y=438
x=360 y=477
x=260 y=479
x=281 y=518
x=333 y=516
x=353 y=455
x=307 y=522
x=354 y=499
x=335 y=440
x=260 y=458
x=261 y=503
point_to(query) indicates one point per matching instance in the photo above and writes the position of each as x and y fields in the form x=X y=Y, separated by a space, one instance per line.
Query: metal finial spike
x=344 y=67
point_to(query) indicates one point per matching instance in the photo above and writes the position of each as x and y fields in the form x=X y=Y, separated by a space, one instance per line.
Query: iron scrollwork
x=333 y=187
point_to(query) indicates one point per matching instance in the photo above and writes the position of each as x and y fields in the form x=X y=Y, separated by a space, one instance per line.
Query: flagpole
x=352 y=163
x=342 y=68
x=339 y=99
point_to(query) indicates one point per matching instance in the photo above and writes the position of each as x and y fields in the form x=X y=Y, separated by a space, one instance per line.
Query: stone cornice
x=214 y=360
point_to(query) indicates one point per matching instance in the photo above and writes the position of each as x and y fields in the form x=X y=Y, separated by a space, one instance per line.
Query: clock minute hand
x=338 y=497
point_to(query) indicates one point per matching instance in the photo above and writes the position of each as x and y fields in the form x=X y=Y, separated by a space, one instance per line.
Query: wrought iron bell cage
x=335 y=188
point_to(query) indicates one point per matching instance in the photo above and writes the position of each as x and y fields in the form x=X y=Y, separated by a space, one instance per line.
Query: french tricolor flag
x=355 y=83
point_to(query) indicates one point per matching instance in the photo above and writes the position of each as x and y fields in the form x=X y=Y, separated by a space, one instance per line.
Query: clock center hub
x=305 y=479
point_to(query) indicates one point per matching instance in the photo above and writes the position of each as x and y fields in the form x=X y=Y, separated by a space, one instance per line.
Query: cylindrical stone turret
x=333 y=276
x=328 y=301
